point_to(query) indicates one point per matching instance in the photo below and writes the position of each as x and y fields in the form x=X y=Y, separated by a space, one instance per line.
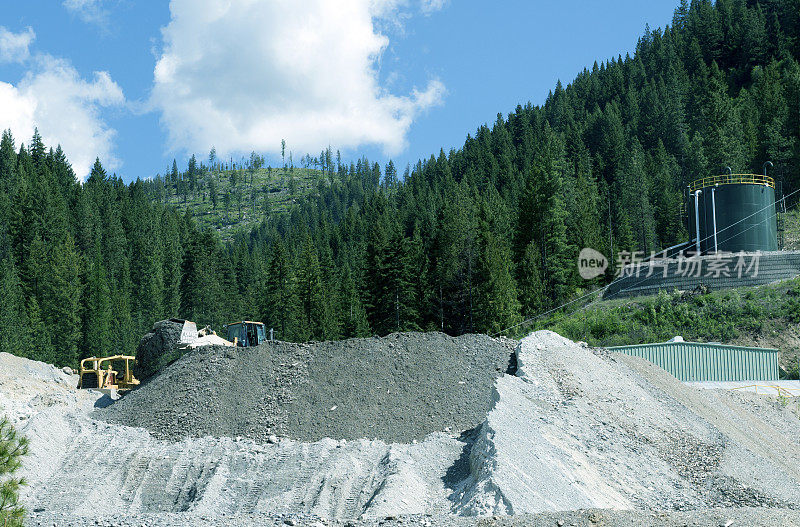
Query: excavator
x=99 y=373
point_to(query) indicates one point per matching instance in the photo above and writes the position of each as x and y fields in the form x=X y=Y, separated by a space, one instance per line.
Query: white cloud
x=430 y=6
x=90 y=11
x=244 y=74
x=66 y=108
x=14 y=46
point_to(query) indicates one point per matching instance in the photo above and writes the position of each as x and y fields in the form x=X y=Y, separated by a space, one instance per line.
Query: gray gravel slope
x=398 y=389
x=584 y=518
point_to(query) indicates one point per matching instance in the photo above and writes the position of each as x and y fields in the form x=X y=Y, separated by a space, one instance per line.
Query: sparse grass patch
x=243 y=197
x=753 y=314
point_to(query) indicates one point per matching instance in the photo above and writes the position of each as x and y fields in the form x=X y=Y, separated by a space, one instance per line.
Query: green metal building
x=696 y=361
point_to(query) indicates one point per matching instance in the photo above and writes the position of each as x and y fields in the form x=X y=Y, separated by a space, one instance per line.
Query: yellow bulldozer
x=99 y=373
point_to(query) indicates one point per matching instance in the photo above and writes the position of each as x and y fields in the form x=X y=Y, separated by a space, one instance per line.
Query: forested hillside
x=232 y=197
x=477 y=238
x=471 y=240
x=87 y=269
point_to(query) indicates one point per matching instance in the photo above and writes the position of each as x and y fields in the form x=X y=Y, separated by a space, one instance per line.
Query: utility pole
x=610 y=231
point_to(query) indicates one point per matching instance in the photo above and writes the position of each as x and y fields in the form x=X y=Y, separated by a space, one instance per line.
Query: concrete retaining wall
x=717 y=272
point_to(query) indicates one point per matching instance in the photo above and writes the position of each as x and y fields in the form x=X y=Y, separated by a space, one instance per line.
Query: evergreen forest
x=475 y=239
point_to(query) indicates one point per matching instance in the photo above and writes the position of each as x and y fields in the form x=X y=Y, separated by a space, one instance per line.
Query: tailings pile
x=398 y=388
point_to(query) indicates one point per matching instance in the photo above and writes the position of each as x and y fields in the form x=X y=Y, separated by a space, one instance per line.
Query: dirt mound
x=577 y=429
x=574 y=429
x=397 y=389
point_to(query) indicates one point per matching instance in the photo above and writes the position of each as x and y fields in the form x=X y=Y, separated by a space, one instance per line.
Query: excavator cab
x=246 y=333
x=108 y=373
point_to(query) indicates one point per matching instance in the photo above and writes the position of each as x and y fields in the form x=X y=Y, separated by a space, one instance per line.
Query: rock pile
x=158 y=348
x=397 y=389
x=569 y=428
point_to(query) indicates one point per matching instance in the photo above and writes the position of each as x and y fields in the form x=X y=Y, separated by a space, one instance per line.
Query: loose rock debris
x=569 y=436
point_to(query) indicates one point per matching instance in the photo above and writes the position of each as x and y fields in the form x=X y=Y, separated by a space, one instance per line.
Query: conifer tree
x=172 y=256
x=13 y=317
x=147 y=268
x=8 y=161
x=280 y=309
x=98 y=319
x=498 y=306
x=124 y=337
x=355 y=323
x=174 y=175
x=13 y=447
x=310 y=292
x=200 y=291
x=60 y=300
x=98 y=174
x=724 y=144
x=39 y=335
x=37 y=149
x=456 y=256
x=532 y=292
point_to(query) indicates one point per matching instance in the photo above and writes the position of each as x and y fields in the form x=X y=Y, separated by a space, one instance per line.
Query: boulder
x=158 y=348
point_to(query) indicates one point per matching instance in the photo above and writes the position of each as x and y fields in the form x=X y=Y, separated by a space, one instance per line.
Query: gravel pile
x=398 y=388
x=584 y=518
x=576 y=429
x=574 y=436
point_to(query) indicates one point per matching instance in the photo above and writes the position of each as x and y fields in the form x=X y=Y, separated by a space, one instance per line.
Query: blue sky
x=383 y=78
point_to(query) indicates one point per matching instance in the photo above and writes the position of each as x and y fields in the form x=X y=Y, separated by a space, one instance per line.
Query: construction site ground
x=412 y=429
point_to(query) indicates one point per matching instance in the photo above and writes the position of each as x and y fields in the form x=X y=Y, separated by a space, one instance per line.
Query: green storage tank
x=696 y=361
x=739 y=208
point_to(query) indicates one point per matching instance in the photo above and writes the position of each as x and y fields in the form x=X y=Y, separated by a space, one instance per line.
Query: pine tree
x=390 y=176
x=60 y=300
x=124 y=336
x=332 y=318
x=667 y=199
x=191 y=173
x=310 y=292
x=456 y=254
x=498 y=306
x=41 y=346
x=98 y=319
x=200 y=290
x=174 y=175
x=13 y=317
x=212 y=158
x=8 y=162
x=98 y=174
x=380 y=301
x=393 y=301
x=13 y=447
x=557 y=254
x=532 y=294
x=355 y=323
x=724 y=144
x=147 y=268
x=172 y=256
x=280 y=310
x=634 y=189
x=37 y=149
x=417 y=272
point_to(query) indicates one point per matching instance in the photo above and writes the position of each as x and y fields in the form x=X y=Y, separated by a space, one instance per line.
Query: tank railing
x=732 y=179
